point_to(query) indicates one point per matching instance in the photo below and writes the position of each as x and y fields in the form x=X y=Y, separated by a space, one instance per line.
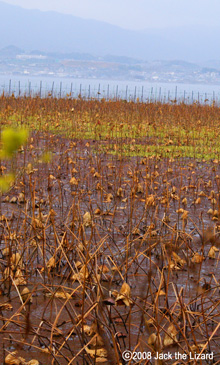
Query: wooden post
x=99 y=91
x=9 y=88
x=176 y=93
x=60 y=89
x=159 y=94
x=126 y=93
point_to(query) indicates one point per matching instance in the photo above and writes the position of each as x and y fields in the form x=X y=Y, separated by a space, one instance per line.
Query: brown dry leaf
x=97 y=174
x=149 y=322
x=120 y=193
x=197 y=258
x=51 y=263
x=33 y=243
x=6 y=306
x=181 y=210
x=150 y=200
x=26 y=295
x=212 y=252
x=178 y=259
x=42 y=217
x=21 y=199
x=184 y=201
x=166 y=218
x=140 y=188
x=52 y=177
x=3 y=218
x=7 y=272
x=124 y=295
x=170 y=336
x=46 y=351
x=70 y=161
x=81 y=246
x=107 y=212
x=83 y=273
x=13 y=359
x=73 y=181
x=212 y=195
x=97 y=353
x=29 y=169
x=52 y=213
x=19 y=279
x=161 y=293
x=197 y=348
x=154 y=341
x=153 y=233
x=89 y=330
x=174 y=196
x=62 y=295
x=78 y=264
x=16 y=260
x=32 y=362
x=215 y=213
x=6 y=251
x=87 y=219
x=37 y=222
x=102 y=359
x=184 y=215
x=136 y=231
x=109 y=198
x=172 y=266
x=103 y=269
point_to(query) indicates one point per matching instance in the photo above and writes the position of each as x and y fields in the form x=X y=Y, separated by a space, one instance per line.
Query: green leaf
x=12 y=140
x=5 y=182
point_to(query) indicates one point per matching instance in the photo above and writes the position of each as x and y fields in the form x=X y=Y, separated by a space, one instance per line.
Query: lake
x=109 y=89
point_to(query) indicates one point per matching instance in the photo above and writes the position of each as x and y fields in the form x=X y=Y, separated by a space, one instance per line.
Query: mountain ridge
x=56 y=32
x=50 y=31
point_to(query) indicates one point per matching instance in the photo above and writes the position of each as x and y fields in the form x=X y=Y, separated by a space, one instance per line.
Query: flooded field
x=110 y=233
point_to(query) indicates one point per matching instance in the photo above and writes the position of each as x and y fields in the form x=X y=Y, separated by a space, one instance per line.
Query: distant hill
x=55 y=32
x=10 y=51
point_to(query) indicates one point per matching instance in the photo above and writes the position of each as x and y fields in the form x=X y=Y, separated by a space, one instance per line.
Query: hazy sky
x=134 y=14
